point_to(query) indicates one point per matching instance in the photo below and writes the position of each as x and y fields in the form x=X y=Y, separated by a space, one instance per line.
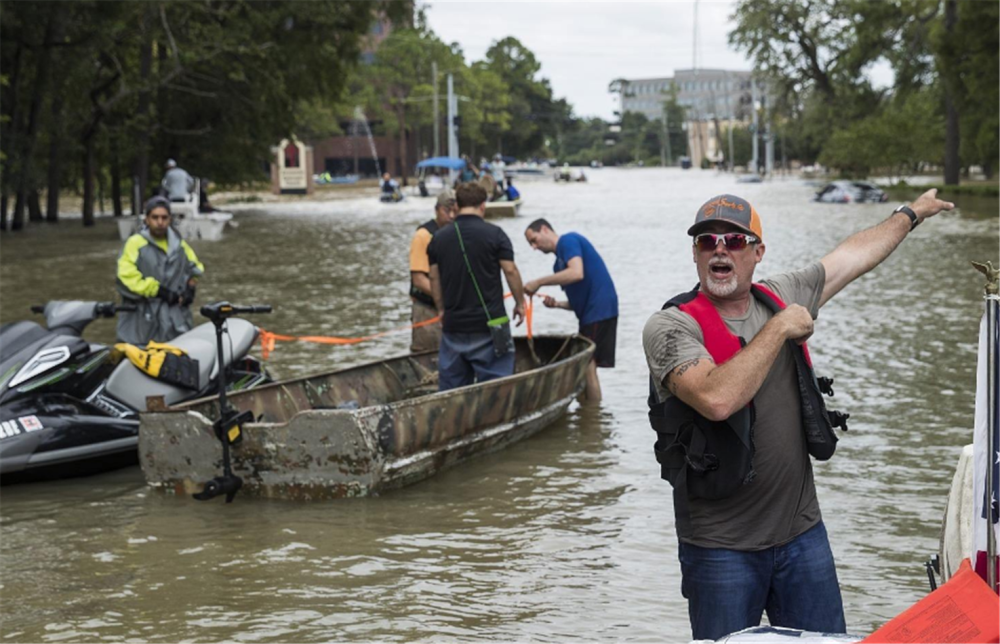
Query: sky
x=583 y=46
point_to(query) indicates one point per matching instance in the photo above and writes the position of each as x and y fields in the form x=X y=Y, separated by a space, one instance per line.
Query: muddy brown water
x=566 y=536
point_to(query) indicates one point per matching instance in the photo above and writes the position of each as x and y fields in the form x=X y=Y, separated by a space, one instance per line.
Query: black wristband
x=906 y=210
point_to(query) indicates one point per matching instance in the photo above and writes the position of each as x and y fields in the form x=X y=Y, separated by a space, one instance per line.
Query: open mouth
x=721 y=271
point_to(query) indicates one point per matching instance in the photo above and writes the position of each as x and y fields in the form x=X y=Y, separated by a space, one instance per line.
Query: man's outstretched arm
x=863 y=251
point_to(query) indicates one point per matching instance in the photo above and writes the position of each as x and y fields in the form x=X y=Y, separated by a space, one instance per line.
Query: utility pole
x=663 y=136
x=452 y=125
x=666 y=134
x=731 y=161
x=768 y=136
x=753 y=104
x=437 y=114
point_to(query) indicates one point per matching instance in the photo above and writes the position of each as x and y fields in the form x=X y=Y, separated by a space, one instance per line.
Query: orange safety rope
x=269 y=339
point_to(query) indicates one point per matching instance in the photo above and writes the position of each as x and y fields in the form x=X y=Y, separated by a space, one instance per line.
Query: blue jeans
x=728 y=590
x=465 y=358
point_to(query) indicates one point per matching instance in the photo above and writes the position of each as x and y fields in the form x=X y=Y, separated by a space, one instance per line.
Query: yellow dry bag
x=164 y=362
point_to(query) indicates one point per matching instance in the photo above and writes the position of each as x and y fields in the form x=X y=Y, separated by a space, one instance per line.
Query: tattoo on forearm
x=678 y=372
x=684 y=367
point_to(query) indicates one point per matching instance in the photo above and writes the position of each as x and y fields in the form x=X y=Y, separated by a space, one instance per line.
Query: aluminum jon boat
x=497 y=209
x=366 y=429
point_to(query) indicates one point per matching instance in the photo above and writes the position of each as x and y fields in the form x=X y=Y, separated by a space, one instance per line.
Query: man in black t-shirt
x=468 y=293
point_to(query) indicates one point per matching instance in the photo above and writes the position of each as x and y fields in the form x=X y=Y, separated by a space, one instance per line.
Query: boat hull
x=391 y=430
x=497 y=209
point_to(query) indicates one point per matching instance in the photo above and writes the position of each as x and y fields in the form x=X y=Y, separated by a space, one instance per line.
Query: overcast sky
x=583 y=46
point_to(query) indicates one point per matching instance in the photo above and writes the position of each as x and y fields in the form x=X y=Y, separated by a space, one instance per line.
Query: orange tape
x=269 y=339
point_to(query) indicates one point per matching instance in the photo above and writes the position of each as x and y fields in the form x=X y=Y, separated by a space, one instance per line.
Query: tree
x=966 y=58
x=486 y=116
x=886 y=141
x=401 y=73
x=215 y=84
x=532 y=106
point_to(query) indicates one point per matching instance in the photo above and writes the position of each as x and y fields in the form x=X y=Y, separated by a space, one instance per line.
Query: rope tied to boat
x=268 y=339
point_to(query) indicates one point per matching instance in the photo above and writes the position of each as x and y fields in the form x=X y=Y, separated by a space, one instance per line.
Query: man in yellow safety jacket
x=157 y=271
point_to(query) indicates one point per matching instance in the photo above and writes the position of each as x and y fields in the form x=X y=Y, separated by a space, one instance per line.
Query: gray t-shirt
x=178 y=184
x=780 y=503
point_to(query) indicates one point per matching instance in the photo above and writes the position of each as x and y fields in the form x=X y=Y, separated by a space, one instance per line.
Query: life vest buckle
x=838 y=419
x=825 y=385
x=703 y=464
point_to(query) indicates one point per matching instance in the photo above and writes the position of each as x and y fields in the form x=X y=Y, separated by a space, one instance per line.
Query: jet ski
x=69 y=407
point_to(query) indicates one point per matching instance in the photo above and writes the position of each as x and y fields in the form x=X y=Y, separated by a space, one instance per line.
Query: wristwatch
x=906 y=210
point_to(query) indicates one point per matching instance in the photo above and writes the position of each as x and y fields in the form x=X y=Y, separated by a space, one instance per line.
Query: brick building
x=352 y=152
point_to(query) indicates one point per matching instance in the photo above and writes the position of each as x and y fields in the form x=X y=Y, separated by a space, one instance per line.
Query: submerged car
x=851 y=191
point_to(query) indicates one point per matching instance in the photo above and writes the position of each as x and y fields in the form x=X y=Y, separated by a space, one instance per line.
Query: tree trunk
x=100 y=187
x=27 y=151
x=952 y=162
x=34 y=206
x=17 y=217
x=55 y=159
x=88 y=180
x=401 y=117
x=8 y=133
x=140 y=165
x=116 y=179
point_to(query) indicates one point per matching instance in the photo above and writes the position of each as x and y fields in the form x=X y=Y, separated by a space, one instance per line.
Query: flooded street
x=567 y=535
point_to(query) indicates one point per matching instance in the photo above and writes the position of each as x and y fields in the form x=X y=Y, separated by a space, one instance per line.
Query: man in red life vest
x=738 y=411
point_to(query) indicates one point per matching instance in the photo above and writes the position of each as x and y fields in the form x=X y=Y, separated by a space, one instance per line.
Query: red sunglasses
x=733 y=241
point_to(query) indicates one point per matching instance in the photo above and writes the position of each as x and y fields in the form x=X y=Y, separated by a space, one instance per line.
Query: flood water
x=565 y=536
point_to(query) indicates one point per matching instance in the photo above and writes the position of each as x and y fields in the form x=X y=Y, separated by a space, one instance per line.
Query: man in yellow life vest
x=157 y=271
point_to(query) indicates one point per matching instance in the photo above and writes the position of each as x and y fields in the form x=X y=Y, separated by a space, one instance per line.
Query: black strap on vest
x=713 y=459
x=431 y=227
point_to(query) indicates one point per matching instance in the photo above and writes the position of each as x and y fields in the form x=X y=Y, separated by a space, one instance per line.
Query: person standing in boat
x=158 y=272
x=738 y=411
x=466 y=260
x=498 y=169
x=428 y=337
x=590 y=292
x=177 y=183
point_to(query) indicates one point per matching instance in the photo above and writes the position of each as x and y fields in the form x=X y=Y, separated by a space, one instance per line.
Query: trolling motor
x=229 y=426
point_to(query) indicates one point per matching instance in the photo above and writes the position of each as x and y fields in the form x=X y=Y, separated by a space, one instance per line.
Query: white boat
x=187 y=221
x=956 y=528
x=208 y=226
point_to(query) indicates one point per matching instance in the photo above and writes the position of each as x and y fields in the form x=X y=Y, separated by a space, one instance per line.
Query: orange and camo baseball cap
x=730 y=209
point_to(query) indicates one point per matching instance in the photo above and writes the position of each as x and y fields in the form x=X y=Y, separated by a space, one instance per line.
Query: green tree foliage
x=742 y=144
x=401 y=76
x=533 y=109
x=107 y=90
x=898 y=139
x=486 y=115
x=970 y=62
x=816 y=55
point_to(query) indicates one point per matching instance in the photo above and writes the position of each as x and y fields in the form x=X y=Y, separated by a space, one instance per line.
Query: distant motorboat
x=498 y=209
x=186 y=219
x=327 y=179
x=205 y=226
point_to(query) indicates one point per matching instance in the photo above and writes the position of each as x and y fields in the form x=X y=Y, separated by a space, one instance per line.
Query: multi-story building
x=706 y=93
x=711 y=97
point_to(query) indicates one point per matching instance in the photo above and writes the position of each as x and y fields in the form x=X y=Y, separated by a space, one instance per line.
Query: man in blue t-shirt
x=581 y=272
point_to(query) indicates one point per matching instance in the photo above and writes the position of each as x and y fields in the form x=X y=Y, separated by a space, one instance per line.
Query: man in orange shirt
x=427 y=338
